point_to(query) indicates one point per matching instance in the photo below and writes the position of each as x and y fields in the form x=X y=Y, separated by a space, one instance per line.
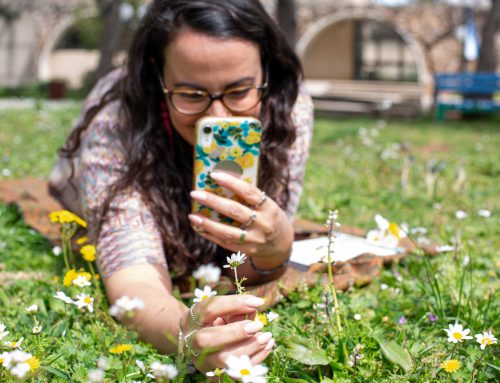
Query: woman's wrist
x=267 y=269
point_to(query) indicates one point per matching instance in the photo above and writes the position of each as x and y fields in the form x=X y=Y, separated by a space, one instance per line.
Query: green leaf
x=227 y=379
x=292 y=380
x=55 y=371
x=305 y=355
x=327 y=380
x=396 y=354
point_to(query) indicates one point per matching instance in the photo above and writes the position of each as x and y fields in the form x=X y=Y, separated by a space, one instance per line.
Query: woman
x=131 y=169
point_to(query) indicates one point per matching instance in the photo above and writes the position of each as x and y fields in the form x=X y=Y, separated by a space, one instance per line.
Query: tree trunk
x=112 y=31
x=287 y=20
x=487 y=54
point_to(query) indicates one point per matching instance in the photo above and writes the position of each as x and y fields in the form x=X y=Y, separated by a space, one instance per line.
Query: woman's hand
x=226 y=331
x=268 y=232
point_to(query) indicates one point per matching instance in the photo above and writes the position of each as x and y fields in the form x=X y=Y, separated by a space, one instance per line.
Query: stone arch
x=424 y=75
x=58 y=31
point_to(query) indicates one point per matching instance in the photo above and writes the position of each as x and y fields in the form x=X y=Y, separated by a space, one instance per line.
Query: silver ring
x=251 y=220
x=243 y=234
x=263 y=198
x=196 y=321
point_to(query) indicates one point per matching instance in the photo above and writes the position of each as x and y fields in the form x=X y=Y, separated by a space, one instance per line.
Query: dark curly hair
x=162 y=170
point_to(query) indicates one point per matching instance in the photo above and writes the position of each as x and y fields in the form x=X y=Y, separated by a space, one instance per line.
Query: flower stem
x=473 y=375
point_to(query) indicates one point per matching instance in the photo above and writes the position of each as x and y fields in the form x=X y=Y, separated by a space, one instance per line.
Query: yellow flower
x=88 y=252
x=236 y=152
x=223 y=154
x=121 y=348
x=252 y=138
x=81 y=240
x=262 y=318
x=198 y=166
x=69 y=277
x=246 y=161
x=451 y=365
x=33 y=362
x=65 y=216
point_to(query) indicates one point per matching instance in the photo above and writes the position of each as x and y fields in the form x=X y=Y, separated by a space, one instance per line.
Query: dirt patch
x=432 y=148
x=32 y=196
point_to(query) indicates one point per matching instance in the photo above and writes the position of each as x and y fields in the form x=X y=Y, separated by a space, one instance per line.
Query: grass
x=357 y=171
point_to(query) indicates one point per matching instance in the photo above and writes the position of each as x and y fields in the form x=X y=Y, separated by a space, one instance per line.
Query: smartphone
x=229 y=144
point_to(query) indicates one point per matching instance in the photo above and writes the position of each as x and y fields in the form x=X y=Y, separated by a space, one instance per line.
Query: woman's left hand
x=265 y=229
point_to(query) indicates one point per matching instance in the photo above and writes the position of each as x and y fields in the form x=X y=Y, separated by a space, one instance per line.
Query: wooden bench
x=467 y=93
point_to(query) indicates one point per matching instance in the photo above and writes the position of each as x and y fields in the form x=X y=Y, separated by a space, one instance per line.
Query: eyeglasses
x=238 y=99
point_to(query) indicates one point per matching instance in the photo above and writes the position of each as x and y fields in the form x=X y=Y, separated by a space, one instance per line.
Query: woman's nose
x=218 y=109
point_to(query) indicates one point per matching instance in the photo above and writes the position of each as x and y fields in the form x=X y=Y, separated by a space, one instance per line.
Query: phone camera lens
x=207 y=130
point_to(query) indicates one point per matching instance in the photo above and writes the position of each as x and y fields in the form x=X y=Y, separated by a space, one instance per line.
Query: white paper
x=345 y=247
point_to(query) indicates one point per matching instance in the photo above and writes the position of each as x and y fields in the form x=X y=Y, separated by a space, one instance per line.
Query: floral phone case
x=228 y=144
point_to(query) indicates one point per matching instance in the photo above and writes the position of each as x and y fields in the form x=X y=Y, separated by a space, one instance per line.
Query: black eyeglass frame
x=214 y=96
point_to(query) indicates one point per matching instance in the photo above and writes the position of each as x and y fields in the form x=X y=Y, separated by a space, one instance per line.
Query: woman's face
x=195 y=61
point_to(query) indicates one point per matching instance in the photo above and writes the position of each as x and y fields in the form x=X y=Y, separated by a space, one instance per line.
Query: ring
x=188 y=347
x=251 y=220
x=196 y=321
x=263 y=198
x=243 y=234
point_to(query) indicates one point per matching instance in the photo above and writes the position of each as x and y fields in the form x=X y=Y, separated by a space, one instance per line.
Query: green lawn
x=355 y=166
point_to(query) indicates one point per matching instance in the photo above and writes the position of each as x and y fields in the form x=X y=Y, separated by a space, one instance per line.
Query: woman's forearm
x=158 y=322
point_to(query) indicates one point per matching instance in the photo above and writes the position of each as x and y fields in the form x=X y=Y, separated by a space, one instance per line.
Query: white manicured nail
x=264 y=338
x=270 y=345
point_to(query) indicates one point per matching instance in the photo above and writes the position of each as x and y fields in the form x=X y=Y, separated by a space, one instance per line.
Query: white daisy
x=81 y=281
x=14 y=344
x=63 y=297
x=456 y=333
x=201 y=295
x=444 y=248
x=126 y=306
x=56 y=250
x=160 y=371
x=485 y=213
x=3 y=333
x=36 y=330
x=85 y=301
x=235 y=260
x=95 y=376
x=208 y=273
x=485 y=339
x=241 y=368
x=32 y=309
x=20 y=370
x=357 y=316
x=271 y=315
x=216 y=372
x=460 y=214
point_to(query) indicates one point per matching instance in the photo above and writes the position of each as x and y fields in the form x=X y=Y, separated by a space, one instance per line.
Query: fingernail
x=219 y=176
x=254 y=301
x=270 y=345
x=198 y=195
x=195 y=219
x=264 y=337
x=253 y=327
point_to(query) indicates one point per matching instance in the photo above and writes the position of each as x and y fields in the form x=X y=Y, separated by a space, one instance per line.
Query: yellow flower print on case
x=236 y=152
x=246 y=161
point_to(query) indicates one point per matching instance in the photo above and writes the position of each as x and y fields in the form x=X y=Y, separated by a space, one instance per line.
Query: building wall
x=16 y=51
x=331 y=53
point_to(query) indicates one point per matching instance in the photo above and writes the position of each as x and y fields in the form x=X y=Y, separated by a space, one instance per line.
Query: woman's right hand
x=227 y=331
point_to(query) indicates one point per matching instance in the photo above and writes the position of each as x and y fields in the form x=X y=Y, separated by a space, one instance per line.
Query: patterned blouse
x=129 y=234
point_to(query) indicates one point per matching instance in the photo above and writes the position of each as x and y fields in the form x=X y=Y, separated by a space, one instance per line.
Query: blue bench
x=466 y=92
